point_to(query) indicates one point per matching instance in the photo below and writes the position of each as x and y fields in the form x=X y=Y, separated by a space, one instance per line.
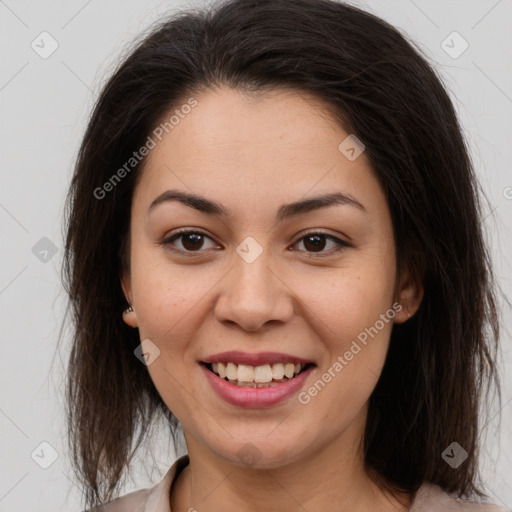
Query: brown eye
x=316 y=243
x=192 y=241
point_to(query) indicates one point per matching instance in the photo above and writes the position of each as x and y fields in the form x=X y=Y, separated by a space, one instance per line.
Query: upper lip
x=258 y=359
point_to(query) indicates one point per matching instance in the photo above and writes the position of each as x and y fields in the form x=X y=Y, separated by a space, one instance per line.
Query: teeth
x=289 y=370
x=245 y=375
x=278 y=371
x=263 y=373
x=254 y=384
x=231 y=371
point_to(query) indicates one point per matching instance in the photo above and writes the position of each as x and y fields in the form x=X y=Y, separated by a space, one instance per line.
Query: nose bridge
x=252 y=272
x=253 y=293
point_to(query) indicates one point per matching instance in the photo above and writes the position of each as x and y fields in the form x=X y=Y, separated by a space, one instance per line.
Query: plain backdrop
x=45 y=103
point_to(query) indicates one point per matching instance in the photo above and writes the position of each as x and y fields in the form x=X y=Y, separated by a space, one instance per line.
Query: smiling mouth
x=263 y=376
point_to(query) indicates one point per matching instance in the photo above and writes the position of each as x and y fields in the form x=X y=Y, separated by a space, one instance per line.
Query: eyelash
x=168 y=242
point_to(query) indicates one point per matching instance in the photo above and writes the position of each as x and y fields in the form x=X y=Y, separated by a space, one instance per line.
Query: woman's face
x=249 y=287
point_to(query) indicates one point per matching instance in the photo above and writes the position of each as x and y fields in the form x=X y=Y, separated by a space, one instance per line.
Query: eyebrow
x=285 y=211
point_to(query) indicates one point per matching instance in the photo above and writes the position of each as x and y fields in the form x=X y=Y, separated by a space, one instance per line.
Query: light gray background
x=44 y=106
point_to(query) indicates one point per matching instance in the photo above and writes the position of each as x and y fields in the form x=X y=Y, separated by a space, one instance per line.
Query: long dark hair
x=382 y=89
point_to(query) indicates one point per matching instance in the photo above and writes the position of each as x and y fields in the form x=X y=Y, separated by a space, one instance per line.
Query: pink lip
x=261 y=358
x=256 y=398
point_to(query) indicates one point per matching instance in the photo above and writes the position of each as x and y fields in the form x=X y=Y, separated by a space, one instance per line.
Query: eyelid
x=168 y=240
x=341 y=244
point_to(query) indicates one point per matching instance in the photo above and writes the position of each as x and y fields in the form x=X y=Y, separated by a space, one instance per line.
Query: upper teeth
x=263 y=373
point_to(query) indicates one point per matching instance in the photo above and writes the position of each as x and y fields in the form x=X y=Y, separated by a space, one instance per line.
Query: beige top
x=429 y=498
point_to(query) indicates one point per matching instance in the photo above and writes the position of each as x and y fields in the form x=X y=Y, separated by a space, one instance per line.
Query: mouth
x=261 y=376
x=256 y=380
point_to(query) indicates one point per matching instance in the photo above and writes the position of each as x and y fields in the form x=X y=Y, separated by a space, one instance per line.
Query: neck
x=330 y=478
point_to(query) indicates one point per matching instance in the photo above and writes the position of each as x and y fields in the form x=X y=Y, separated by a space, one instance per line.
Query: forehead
x=229 y=119
x=242 y=147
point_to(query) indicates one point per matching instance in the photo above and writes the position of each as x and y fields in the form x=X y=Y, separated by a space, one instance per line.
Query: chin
x=261 y=453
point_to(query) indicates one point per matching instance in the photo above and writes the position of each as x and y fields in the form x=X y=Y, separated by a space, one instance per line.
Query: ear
x=409 y=295
x=129 y=317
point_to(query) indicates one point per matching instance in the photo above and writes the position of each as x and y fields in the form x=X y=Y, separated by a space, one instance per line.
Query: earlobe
x=130 y=317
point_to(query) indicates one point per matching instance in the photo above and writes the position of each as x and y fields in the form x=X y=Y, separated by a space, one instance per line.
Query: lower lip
x=255 y=398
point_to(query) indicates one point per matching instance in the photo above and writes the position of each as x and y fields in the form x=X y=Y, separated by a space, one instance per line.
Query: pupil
x=317 y=244
x=194 y=241
x=196 y=238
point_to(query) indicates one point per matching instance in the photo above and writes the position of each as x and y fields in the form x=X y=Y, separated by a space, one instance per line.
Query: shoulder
x=431 y=498
x=153 y=499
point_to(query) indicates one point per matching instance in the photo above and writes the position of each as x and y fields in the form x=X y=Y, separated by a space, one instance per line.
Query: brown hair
x=383 y=91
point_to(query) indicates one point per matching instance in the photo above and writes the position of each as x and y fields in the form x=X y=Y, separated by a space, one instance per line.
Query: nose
x=253 y=295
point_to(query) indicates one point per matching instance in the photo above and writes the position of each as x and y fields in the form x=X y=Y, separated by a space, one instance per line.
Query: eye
x=316 y=241
x=192 y=240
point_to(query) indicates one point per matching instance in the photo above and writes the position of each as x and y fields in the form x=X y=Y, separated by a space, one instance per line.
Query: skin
x=253 y=155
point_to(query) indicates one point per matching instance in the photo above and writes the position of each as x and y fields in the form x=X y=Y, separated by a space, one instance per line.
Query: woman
x=274 y=241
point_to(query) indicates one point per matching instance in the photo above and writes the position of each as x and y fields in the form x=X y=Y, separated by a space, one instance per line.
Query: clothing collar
x=158 y=499
x=429 y=497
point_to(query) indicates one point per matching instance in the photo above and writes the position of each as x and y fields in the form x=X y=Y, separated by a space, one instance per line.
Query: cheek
x=352 y=316
x=354 y=323
x=166 y=295
x=347 y=300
